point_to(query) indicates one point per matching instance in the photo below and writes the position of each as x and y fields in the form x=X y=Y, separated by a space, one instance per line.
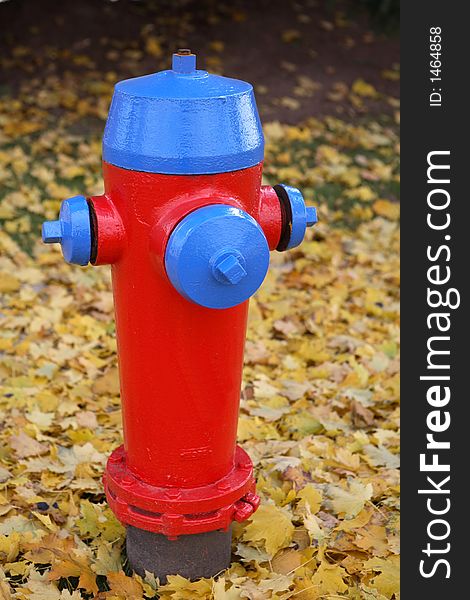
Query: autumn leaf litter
x=319 y=409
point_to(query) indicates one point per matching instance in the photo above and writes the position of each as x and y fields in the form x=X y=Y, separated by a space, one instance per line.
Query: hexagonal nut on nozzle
x=312 y=217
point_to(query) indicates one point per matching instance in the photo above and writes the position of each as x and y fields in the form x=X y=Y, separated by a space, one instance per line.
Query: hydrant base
x=181 y=511
x=192 y=556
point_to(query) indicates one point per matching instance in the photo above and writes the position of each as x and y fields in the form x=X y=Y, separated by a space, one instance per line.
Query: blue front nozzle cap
x=72 y=231
x=217 y=256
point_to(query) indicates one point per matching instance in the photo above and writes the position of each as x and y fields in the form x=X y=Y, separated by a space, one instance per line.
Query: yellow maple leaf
x=311 y=496
x=255 y=428
x=108 y=558
x=357 y=522
x=73 y=563
x=287 y=561
x=24 y=446
x=364 y=89
x=363 y=193
x=349 y=501
x=124 y=587
x=181 y=588
x=271 y=525
x=387 y=209
x=45 y=520
x=9 y=546
x=153 y=47
x=8 y=282
x=373 y=539
x=330 y=155
x=388 y=581
x=313 y=526
x=328 y=579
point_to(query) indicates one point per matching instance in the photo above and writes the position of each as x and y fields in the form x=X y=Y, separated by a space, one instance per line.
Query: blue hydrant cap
x=72 y=231
x=217 y=256
x=183 y=121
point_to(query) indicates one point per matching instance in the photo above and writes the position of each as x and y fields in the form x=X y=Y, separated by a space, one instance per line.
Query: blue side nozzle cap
x=72 y=230
x=302 y=216
x=217 y=256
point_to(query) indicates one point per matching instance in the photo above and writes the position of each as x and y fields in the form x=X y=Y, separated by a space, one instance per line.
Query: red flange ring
x=176 y=511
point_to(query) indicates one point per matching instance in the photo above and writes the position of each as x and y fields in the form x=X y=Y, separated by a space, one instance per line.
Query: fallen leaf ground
x=319 y=410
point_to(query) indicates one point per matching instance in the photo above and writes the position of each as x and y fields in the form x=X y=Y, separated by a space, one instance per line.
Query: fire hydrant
x=187 y=228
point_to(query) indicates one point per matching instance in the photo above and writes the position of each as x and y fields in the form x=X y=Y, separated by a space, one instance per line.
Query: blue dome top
x=183 y=121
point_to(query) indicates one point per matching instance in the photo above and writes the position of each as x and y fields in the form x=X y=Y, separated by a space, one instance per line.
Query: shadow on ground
x=303 y=56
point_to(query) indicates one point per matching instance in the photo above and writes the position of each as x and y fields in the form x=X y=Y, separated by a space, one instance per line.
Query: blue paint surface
x=302 y=216
x=183 y=121
x=72 y=231
x=217 y=256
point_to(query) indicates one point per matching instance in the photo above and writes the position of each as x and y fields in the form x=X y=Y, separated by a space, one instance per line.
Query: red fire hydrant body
x=187 y=236
x=180 y=363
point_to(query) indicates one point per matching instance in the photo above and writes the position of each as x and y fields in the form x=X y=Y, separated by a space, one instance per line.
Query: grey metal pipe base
x=192 y=556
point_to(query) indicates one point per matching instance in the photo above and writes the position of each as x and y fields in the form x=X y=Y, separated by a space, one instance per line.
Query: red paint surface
x=110 y=242
x=174 y=511
x=180 y=364
x=269 y=216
